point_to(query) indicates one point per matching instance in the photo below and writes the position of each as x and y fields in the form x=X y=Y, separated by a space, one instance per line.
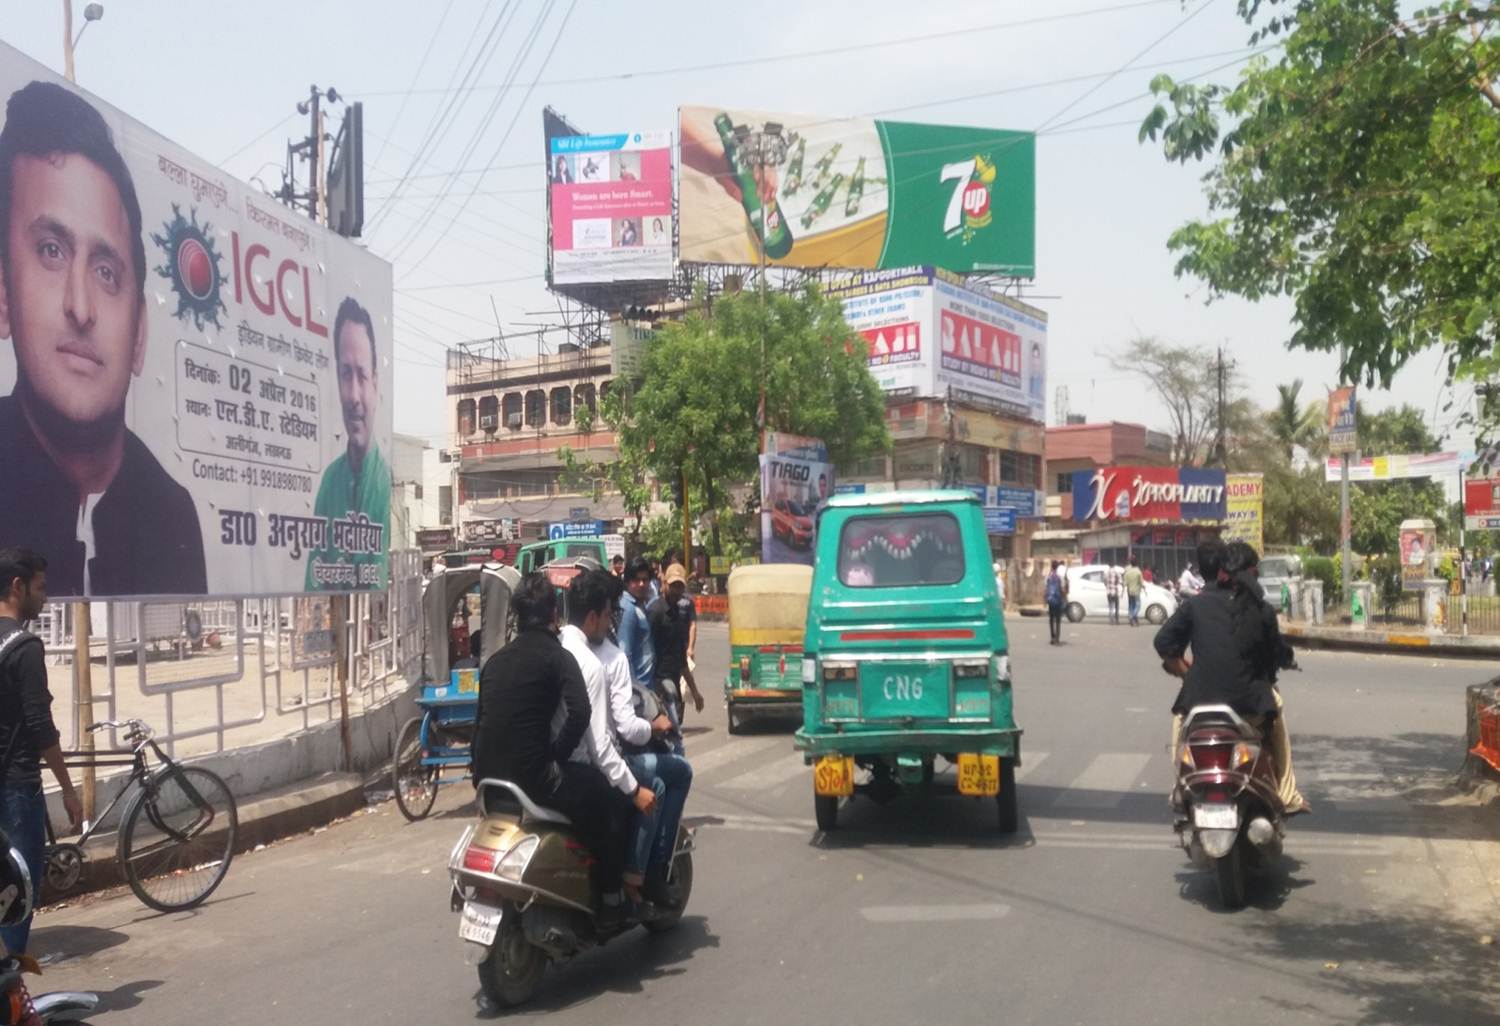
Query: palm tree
x=1291 y=423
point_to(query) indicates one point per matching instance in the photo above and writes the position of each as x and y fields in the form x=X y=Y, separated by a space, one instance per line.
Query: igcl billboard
x=815 y=191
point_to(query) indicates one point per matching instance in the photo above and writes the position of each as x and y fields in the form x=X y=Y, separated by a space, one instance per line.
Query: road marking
x=764 y=778
x=932 y=913
x=1094 y=787
x=733 y=751
x=1029 y=762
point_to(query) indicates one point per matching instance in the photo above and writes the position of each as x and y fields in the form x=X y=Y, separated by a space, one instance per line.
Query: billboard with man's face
x=195 y=382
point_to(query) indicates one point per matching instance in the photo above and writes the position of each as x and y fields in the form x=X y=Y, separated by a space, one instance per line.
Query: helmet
x=16 y=893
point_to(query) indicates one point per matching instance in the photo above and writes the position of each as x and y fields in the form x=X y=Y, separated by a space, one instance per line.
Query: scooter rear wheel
x=511 y=973
x=1229 y=871
x=681 y=886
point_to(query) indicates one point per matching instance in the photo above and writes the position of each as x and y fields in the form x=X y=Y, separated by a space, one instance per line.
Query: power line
x=257 y=139
x=421 y=65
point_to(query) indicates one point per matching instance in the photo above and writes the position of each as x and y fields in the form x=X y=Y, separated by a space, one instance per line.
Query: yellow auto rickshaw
x=767 y=615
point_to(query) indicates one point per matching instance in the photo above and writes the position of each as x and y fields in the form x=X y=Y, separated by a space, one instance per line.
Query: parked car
x=1087 y=597
x=792 y=522
x=1277 y=572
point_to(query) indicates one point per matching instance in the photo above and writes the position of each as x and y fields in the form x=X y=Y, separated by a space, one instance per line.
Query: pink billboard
x=611 y=207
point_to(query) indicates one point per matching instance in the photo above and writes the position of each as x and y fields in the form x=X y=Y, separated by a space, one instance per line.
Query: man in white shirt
x=648 y=856
x=1189 y=583
x=590 y=612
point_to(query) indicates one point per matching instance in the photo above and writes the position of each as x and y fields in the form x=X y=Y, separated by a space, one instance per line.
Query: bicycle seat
x=502 y=796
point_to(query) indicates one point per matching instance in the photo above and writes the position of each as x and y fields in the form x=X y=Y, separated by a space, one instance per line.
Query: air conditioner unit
x=513 y=421
x=489 y=422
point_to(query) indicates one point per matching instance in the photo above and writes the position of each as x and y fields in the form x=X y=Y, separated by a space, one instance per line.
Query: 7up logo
x=969 y=205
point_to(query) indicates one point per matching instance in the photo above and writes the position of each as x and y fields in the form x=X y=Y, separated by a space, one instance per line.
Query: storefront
x=1164 y=549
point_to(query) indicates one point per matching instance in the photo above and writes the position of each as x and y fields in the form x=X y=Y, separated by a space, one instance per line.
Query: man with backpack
x=1057 y=597
x=28 y=737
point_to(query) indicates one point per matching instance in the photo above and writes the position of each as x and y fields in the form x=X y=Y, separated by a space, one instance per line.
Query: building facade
x=1079 y=446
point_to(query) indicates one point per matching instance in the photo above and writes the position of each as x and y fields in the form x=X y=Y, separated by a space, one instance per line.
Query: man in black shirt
x=27 y=734
x=672 y=616
x=72 y=302
x=525 y=690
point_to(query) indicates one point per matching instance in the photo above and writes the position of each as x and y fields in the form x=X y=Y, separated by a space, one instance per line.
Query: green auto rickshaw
x=905 y=657
x=767 y=615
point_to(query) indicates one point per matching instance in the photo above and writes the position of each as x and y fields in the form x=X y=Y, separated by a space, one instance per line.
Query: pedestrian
x=1114 y=583
x=673 y=619
x=28 y=737
x=1148 y=575
x=1057 y=597
x=1134 y=580
x=1000 y=585
x=617 y=566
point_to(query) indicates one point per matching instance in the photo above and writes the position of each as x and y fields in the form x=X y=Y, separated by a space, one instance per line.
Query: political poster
x=807 y=190
x=1245 y=509
x=796 y=477
x=610 y=207
x=1343 y=433
x=196 y=397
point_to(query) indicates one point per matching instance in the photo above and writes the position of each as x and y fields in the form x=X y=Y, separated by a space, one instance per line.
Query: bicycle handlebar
x=135 y=727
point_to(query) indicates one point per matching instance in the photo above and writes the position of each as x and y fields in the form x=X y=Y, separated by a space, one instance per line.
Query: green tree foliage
x=1377 y=509
x=1293 y=424
x=1357 y=172
x=1301 y=509
x=626 y=474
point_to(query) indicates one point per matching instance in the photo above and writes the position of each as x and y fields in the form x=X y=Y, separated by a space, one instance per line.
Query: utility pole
x=1220 y=453
x=314 y=200
x=687 y=523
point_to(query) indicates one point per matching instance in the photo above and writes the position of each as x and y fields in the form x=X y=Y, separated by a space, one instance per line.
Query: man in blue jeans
x=648 y=855
x=28 y=736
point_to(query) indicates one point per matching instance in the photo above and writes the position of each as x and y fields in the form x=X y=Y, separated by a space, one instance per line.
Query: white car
x=1087 y=597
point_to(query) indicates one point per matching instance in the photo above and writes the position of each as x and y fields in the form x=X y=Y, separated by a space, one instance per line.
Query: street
x=914 y=912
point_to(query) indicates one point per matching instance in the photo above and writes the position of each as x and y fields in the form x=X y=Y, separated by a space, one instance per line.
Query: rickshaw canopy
x=496 y=585
x=768 y=603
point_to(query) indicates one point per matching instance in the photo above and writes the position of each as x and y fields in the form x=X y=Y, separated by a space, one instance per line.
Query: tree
x=1293 y=424
x=1356 y=173
x=1187 y=389
x=694 y=410
x=1301 y=508
x=626 y=474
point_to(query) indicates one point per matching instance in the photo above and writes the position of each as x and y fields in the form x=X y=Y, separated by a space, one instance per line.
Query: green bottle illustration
x=794 y=169
x=770 y=228
x=856 y=189
x=822 y=201
x=825 y=166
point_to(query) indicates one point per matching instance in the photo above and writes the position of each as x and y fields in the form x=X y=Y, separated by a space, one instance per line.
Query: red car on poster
x=792 y=522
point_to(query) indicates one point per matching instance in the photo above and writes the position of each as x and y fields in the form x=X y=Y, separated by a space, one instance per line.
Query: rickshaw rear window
x=901 y=550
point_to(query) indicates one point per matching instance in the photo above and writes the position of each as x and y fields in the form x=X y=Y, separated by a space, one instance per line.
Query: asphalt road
x=914 y=912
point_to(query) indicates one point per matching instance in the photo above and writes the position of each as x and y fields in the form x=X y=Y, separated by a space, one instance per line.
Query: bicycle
x=177 y=832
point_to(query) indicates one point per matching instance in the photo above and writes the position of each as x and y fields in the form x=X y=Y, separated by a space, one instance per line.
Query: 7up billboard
x=809 y=191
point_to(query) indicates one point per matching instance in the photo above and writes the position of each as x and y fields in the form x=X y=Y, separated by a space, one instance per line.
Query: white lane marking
x=1096 y=787
x=1029 y=762
x=731 y=751
x=931 y=913
x=764 y=778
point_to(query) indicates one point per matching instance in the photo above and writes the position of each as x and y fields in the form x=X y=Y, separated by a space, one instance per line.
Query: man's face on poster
x=69 y=301
x=358 y=394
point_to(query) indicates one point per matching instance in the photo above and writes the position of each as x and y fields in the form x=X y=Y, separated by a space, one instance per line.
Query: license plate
x=480 y=923
x=1215 y=817
x=834 y=775
x=978 y=774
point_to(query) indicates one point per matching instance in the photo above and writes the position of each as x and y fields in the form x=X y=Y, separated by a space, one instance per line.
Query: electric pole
x=312 y=201
x=1221 y=452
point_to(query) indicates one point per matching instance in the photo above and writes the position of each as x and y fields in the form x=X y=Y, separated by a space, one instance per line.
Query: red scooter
x=1232 y=819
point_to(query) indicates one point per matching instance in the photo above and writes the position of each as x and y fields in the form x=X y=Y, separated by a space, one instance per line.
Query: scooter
x=1232 y=819
x=521 y=883
x=19 y=1008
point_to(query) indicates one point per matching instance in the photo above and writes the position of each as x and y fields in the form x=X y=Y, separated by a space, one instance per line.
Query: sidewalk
x=1475 y=646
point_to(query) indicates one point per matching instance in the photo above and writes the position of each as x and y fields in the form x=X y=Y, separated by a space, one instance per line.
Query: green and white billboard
x=854 y=192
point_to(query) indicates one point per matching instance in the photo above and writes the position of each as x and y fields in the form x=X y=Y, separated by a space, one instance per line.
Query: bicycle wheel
x=415 y=784
x=178 y=837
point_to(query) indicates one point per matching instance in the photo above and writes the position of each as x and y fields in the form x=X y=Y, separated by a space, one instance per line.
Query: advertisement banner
x=927 y=331
x=560 y=529
x=1416 y=554
x=1482 y=504
x=814 y=191
x=209 y=370
x=1343 y=435
x=610 y=207
x=1149 y=493
x=1395 y=467
x=795 y=477
x=1245 y=509
x=437 y=539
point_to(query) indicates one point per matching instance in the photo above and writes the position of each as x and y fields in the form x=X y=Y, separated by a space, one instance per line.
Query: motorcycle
x=17 y=1006
x=1232 y=819
x=521 y=884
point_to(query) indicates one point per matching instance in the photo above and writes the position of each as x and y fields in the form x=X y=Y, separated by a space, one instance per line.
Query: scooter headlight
x=513 y=863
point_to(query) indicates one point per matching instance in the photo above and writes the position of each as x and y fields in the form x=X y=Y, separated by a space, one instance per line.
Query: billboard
x=196 y=397
x=1343 y=434
x=1149 y=493
x=813 y=191
x=1245 y=509
x=1482 y=504
x=795 y=477
x=927 y=331
x=1394 y=467
x=610 y=207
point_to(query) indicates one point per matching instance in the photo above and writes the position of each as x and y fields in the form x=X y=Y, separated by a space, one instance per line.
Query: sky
x=223 y=80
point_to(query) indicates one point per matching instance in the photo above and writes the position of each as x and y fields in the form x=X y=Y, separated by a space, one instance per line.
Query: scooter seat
x=509 y=797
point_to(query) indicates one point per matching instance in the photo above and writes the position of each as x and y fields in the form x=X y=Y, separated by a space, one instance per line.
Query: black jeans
x=599 y=813
x=1054 y=619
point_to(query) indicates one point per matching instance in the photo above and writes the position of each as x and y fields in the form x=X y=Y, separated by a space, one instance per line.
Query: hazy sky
x=222 y=80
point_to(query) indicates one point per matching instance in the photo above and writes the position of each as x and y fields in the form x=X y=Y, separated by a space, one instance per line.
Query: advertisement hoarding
x=1482 y=504
x=1418 y=539
x=1343 y=434
x=610 y=207
x=795 y=477
x=1395 y=467
x=854 y=192
x=222 y=402
x=1245 y=509
x=560 y=529
x=927 y=331
x=1149 y=493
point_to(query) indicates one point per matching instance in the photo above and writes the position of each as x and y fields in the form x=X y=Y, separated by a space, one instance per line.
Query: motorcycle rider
x=647 y=746
x=534 y=711
x=1236 y=648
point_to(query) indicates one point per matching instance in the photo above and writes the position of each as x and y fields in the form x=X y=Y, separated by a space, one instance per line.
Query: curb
x=1398 y=642
x=261 y=819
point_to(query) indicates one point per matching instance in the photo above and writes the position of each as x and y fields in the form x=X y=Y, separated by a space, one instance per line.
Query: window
x=1022 y=468
x=1065 y=483
x=972 y=464
x=511 y=407
x=466 y=416
x=489 y=414
x=584 y=396
x=562 y=405
x=1094 y=577
x=445 y=504
x=901 y=551
x=1031 y=470
x=871 y=466
x=417 y=492
x=536 y=408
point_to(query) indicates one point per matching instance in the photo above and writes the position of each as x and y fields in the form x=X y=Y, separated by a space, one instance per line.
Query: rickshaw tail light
x=480 y=860
x=839 y=671
x=745 y=669
x=1002 y=668
x=809 y=670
